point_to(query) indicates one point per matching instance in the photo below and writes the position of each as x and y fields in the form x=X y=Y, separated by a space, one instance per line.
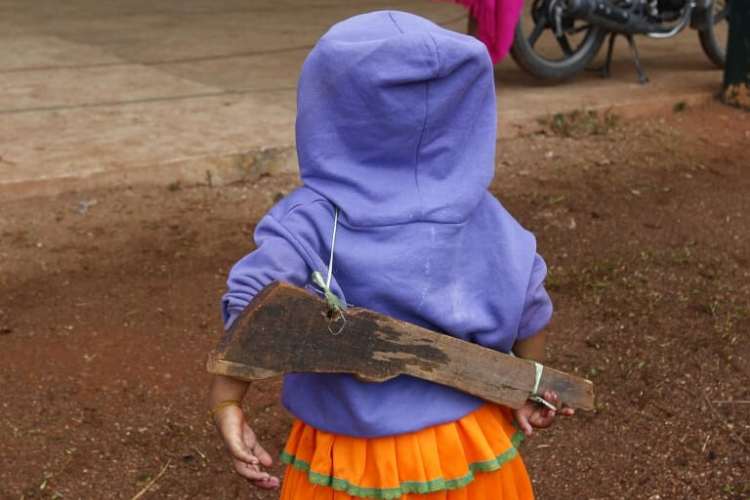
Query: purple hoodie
x=396 y=128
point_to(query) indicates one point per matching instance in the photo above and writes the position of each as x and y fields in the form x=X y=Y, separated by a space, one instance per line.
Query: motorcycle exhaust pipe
x=610 y=17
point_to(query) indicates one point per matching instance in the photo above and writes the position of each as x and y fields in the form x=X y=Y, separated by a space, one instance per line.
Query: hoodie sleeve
x=274 y=259
x=537 y=309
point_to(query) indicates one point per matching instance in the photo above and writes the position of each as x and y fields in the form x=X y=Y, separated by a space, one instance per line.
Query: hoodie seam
x=405 y=223
x=424 y=127
x=343 y=222
x=437 y=54
x=424 y=124
x=294 y=207
x=419 y=148
x=325 y=201
x=393 y=20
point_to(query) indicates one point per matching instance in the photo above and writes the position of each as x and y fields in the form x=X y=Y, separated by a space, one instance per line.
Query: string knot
x=334 y=303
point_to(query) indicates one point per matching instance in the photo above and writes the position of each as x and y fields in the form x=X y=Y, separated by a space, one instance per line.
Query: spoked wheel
x=714 y=35
x=552 y=46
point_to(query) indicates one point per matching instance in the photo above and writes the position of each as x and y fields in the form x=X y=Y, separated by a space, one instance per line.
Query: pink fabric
x=496 y=22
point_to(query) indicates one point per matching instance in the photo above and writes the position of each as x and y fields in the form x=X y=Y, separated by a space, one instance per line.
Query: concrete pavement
x=106 y=93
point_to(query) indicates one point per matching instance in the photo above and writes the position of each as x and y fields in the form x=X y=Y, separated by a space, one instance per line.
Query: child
x=396 y=144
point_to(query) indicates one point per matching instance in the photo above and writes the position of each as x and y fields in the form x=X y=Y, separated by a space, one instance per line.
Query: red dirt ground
x=109 y=303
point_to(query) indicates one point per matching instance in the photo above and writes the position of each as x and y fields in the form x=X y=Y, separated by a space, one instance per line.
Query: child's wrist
x=223 y=405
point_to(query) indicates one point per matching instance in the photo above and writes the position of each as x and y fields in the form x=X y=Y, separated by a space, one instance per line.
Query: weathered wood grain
x=285 y=329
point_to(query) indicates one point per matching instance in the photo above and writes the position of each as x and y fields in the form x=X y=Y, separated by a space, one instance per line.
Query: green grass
x=582 y=123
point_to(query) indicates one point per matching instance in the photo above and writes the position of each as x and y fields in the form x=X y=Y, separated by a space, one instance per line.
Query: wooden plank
x=285 y=329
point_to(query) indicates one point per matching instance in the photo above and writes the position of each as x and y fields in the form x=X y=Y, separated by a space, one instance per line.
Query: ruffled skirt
x=473 y=458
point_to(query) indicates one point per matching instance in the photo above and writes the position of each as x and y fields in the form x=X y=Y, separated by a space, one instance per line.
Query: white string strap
x=336 y=306
x=535 y=396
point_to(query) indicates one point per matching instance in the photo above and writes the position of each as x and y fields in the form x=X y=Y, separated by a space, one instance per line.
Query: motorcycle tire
x=572 y=62
x=714 y=44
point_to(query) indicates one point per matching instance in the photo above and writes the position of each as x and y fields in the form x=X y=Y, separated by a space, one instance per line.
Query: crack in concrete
x=67 y=107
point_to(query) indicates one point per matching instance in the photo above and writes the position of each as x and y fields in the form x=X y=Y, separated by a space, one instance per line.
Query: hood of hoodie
x=396 y=120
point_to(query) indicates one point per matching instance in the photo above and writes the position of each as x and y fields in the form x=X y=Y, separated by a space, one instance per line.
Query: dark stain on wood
x=294 y=337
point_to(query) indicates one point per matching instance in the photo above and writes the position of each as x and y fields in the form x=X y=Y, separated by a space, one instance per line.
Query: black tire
x=714 y=37
x=572 y=60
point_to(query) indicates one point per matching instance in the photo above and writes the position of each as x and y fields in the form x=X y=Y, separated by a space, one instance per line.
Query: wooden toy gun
x=287 y=329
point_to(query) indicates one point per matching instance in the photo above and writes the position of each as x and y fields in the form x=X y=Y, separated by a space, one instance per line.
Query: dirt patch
x=109 y=303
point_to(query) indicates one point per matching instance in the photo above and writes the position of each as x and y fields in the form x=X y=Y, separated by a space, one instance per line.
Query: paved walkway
x=101 y=93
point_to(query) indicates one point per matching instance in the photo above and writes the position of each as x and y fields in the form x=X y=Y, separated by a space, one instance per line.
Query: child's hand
x=533 y=415
x=247 y=454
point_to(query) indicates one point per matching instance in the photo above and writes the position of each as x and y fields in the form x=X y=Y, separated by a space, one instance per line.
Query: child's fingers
x=262 y=455
x=256 y=476
x=268 y=484
x=552 y=397
x=543 y=416
x=240 y=452
x=236 y=441
x=567 y=411
x=252 y=444
x=231 y=426
x=523 y=423
x=540 y=417
x=546 y=417
x=251 y=472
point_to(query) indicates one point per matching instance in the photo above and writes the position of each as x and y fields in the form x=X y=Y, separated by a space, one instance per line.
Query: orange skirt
x=474 y=458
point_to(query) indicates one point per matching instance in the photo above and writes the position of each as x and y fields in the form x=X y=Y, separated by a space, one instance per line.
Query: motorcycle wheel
x=714 y=36
x=540 y=52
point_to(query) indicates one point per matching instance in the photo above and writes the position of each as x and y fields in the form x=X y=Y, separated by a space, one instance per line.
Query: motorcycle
x=557 y=39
